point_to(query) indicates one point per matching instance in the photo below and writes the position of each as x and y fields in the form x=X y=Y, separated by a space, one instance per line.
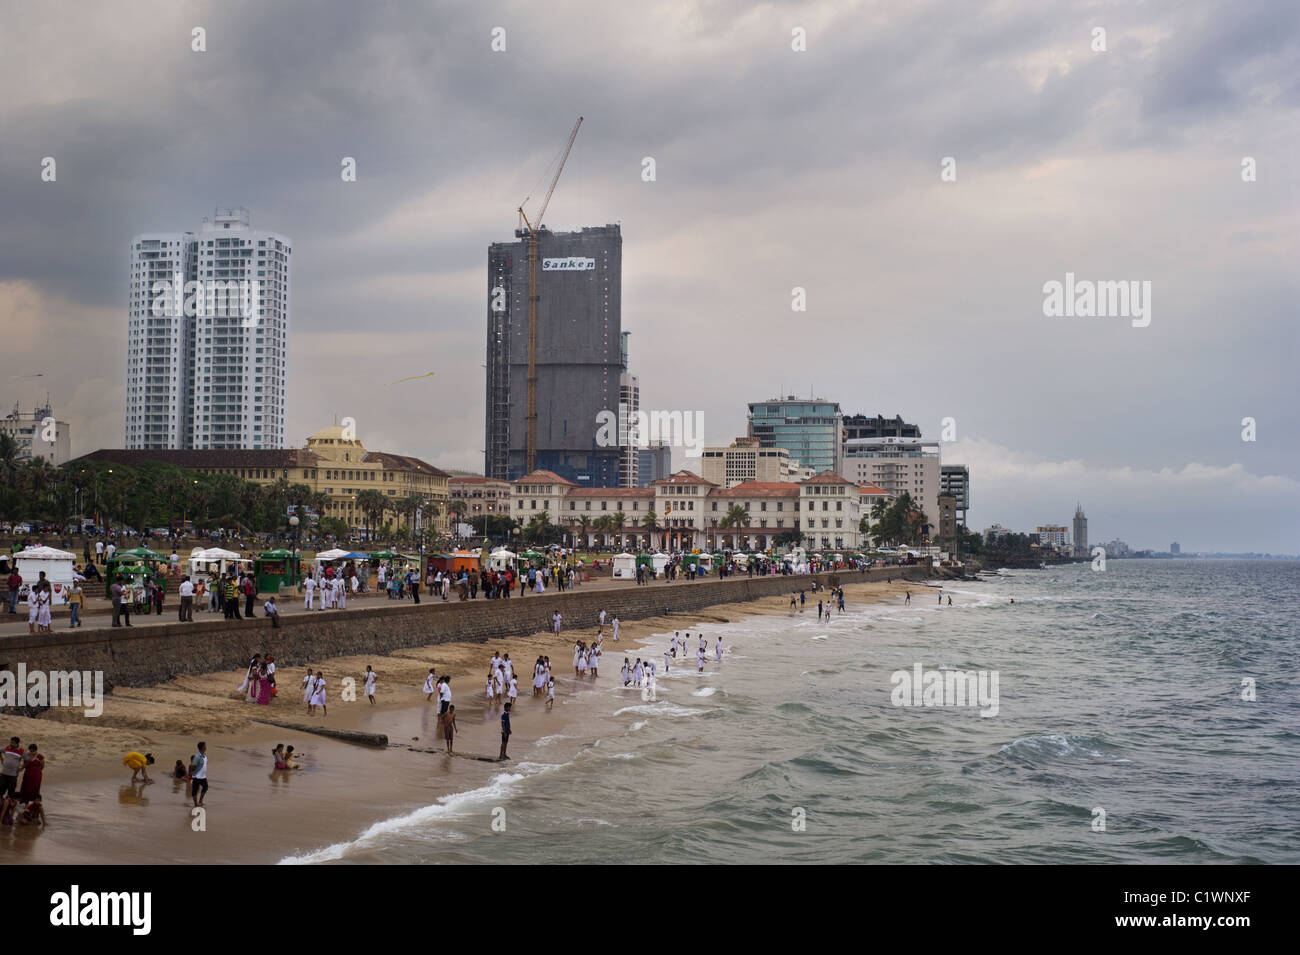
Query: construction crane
x=532 y=232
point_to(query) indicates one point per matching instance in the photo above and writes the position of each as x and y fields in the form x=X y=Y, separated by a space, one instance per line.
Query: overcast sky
x=775 y=168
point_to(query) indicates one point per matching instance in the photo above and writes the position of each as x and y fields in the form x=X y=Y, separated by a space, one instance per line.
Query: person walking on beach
x=842 y=602
x=556 y=620
x=627 y=672
x=602 y=617
x=550 y=692
x=449 y=726
x=505 y=731
x=430 y=685
x=615 y=626
x=717 y=648
x=199 y=774
x=802 y=599
x=699 y=659
x=819 y=610
x=908 y=601
x=444 y=696
x=369 y=678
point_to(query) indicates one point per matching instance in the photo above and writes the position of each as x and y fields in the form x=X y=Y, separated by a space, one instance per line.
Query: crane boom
x=531 y=230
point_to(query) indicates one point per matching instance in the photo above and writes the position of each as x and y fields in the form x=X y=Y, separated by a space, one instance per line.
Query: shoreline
x=257 y=816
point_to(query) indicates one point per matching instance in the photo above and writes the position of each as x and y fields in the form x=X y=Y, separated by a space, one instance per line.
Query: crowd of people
x=21 y=772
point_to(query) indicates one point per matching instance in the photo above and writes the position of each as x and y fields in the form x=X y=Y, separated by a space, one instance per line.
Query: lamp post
x=293 y=522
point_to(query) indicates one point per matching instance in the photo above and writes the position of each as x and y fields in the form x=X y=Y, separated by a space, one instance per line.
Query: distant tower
x=1080 y=529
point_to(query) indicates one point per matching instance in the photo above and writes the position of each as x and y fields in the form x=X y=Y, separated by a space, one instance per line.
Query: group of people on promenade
x=20 y=803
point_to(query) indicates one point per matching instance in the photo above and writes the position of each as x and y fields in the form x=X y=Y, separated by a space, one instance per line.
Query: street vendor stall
x=500 y=559
x=137 y=565
x=624 y=566
x=274 y=569
x=58 y=566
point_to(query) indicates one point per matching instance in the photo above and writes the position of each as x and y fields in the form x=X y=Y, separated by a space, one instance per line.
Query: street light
x=293 y=522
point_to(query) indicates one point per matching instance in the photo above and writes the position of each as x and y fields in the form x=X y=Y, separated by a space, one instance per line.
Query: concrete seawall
x=157 y=654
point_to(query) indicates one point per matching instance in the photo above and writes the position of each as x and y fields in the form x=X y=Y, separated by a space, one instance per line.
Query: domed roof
x=334 y=434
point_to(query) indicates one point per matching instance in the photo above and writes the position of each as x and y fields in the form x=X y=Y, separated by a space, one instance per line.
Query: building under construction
x=578 y=355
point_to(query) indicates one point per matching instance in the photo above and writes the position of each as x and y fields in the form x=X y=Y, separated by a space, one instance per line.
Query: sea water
x=1125 y=732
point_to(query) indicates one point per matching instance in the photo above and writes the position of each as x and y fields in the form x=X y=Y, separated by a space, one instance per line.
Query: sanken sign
x=571 y=264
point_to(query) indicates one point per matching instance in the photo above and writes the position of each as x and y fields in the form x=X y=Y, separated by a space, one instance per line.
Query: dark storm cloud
x=774 y=169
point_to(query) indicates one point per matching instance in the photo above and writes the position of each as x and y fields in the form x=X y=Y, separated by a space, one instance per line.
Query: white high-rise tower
x=207 y=364
x=160 y=345
x=241 y=360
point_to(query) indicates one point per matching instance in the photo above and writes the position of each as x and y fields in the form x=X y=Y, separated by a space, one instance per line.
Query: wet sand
x=257 y=815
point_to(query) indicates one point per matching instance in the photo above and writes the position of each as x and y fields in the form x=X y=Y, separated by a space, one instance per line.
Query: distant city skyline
x=773 y=171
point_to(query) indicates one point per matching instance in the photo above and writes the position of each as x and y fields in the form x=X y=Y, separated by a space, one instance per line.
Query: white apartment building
x=629 y=403
x=744 y=460
x=897 y=465
x=207 y=365
x=159 y=343
x=241 y=361
x=1053 y=535
x=38 y=435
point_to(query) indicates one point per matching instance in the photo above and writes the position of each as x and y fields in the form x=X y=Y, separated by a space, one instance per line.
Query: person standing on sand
x=602 y=616
x=318 y=694
x=430 y=685
x=449 y=726
x=369 y=677
x=505 y=731
x=444 y=696
x=615 y=626
x=199 y=774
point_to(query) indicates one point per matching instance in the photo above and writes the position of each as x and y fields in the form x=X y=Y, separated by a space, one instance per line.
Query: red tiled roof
x=873 y=489
x=683 y=477
x=758 y=489
x=401 y=462
x=243 y=458
x=827 y=477
x=548 y=477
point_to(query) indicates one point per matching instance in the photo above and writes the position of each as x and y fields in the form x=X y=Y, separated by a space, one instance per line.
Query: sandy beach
x=257 y=815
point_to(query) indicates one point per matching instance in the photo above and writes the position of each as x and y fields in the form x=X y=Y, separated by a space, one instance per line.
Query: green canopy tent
x=273 y=569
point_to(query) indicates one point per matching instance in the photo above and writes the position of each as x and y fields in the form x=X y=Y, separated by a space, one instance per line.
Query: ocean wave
x=661 y=708
x=446 y=807
x=1060 y=746
x=704 y=691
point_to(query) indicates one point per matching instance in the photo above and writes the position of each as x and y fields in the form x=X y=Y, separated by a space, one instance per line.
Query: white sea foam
x=445 y=808
x=704 y=691
x=661 y=708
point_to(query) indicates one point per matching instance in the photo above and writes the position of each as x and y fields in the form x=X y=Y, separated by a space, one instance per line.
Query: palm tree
x=737 y=516
x=585 y=523
x=651 y=525
x=371 y=504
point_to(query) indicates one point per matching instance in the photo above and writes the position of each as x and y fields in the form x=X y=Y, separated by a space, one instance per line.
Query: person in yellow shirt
x=138 y=763
x=76 y=600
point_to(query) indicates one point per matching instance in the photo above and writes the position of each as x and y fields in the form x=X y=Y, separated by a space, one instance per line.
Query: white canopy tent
x=659 y=561
x=499 y=559
x=624 y=565
x=58 y=566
